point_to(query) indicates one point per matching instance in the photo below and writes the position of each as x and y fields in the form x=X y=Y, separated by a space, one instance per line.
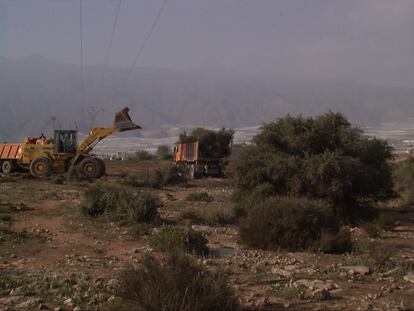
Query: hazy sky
x=370 y=41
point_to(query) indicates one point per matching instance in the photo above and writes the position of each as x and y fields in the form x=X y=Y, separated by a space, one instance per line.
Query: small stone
x=112 y=283
x=77 y=309
x=361 y=270
x=282 y=272
x=321 y=294
x=409 y=277
x=69 y=302
x=57 y=309
x=265 y=302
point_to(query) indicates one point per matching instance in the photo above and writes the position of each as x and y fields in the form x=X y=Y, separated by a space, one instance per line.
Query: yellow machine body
x=43 y=156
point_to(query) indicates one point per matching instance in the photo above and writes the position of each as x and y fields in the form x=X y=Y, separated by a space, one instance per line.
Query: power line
x=142 y=48
x=82 y=76
x=111 y=40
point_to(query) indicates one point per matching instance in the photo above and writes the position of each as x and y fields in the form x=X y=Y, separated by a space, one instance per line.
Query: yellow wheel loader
x=44 y=156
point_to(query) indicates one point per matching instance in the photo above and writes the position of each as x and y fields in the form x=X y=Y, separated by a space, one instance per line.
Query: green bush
x=74 y=175
x=404 y=181
x=336 y=243
x=211 y=215
x=140 y=229
x=178 y=284
x=171 y=238
x=120 y=205
x=142 y=155
x=173 y=176
x=6 y=218
x=379 y=254
x=156 y=179
x=58 y=180
x=372 y=229
x=164 y=153
x=319 y=158
x=199 y=196
x=287 y=223
x=213 y=144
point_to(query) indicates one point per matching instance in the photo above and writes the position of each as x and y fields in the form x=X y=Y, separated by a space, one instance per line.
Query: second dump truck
x=42 y=156
x=203 y=152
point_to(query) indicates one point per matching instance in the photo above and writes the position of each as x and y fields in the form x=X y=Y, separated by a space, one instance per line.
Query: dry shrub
x=211 y=215
x=199 y=196
x=336 y=243
x=120 y=205
x=156 y=179
x=287 y=223
x=142 y=155
x=380 y=254
x=171 y=238
x=178 y=284
x=372 y=229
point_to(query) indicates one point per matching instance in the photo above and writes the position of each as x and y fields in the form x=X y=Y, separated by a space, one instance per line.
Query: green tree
x=213 y=144
x=324 y=157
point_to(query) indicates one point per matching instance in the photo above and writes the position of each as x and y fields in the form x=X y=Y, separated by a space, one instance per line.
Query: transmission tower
x=93 y=112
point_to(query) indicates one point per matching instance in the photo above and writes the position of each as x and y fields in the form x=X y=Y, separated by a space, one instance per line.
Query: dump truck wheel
x=102 y=167
x=40 y=167
x=8 y=167
x=91 y=168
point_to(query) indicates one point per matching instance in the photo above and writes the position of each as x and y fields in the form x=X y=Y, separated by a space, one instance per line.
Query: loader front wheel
x=91 y=168
x=41 y=167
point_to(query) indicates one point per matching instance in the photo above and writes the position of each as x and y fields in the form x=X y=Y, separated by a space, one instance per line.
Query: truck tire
x=41 y=167
x=91 y=168
x=102 y=168
x=8 y=167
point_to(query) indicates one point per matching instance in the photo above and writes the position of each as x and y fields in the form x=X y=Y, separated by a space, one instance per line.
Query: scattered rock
x=112 y=283
x=321 y=294
x=225 y=251
x=409 y=277
x=28 y=304
x=265 y=302
x=21 y=207
x=69 y=302
x=282 y=272
x=361 y=270
x=12 y=300
x=291 y=267
x=202 y=228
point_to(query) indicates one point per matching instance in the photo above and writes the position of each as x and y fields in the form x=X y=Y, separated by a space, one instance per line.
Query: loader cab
x=65 y=141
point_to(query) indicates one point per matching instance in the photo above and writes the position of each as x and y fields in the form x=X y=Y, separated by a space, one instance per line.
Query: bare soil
x=51 y=256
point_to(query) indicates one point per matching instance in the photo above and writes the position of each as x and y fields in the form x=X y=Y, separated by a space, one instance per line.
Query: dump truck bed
x=187 y=152
x=10 y=151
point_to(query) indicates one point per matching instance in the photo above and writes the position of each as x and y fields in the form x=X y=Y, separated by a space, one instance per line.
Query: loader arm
x=121 y=123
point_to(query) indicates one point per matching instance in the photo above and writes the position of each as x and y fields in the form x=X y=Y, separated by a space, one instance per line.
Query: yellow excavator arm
x=121 y=123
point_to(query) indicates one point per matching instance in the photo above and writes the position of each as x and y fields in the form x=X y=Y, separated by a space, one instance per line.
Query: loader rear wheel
x=102 y=167
x=8 y=167
x=91 y=168
x=40 y=167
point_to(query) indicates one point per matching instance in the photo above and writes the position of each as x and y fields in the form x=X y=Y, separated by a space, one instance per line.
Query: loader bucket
x=123 y=121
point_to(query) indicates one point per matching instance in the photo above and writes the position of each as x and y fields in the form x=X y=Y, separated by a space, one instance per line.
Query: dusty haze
x=216 y=63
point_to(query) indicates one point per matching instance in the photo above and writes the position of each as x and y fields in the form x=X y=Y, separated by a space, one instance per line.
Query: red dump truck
x=9 y=154
x=189 y=157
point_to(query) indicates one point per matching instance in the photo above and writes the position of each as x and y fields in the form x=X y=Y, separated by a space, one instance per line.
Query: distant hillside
x=33 y=89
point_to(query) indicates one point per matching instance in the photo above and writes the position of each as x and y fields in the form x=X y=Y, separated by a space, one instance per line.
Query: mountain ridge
x=34 y=89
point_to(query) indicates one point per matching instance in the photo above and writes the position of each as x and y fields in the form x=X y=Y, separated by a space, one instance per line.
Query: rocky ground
x=51 y=257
